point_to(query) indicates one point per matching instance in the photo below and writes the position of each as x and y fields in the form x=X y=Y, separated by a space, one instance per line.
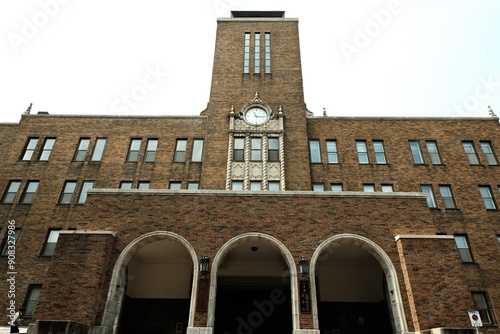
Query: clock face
x=256 y=116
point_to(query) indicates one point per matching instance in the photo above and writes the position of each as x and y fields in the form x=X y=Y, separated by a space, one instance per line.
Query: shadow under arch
x=396 y=302
x=114 y=300
x=261 y=237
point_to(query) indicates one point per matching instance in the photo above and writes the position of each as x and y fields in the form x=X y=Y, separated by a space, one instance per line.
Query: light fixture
x=204 y=265
x=303 y=266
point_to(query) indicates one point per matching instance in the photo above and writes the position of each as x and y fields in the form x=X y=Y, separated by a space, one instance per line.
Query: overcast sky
x=154 y=57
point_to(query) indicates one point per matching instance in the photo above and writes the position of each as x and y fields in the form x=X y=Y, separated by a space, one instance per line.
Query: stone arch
x=261 y=237
x=398 y=315
x=116 y=290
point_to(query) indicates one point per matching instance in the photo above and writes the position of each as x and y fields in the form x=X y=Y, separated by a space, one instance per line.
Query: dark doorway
x=263 y=306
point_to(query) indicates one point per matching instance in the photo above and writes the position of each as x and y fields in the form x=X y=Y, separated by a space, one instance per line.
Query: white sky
x=419 y=58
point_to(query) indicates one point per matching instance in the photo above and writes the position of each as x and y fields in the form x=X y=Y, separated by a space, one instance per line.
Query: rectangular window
x=100 y=143
x=151 y=146
x=416 y=152
x=180 y=150
x=255 y=185
x=83 y=192
x=463 y=248
x=481 y=305
x=67 y=193
x=239 y=149
x=256 y=149
x=489 y=201
x=29 y=192
x=174 y=185
x=431 y=199
x=362 y=152
x=30 y=149
x=273 y=149
x=246 y=54
x=10 y=240
x=378 y=148
x=32 y=299
x=314 y=151
x=368 y=188
x=81 y=151
x=197 y=150
x=48 y=145
x=257 y=53
x=318 y=187
x=470 y=152
x=488 y=153
x=267 y=52
x=331 y=150
x=337 y=187
x=11 y=192
x=433 y=152
x=133 y=151
x=447 y=196
x=274 y=185
x=50 y=243
x=126 y=185
x=143 y=184
x=387 y=188
x=237 y=185
x=193 y=185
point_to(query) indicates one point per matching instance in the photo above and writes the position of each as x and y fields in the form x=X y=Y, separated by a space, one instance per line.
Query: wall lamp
x=204 y=265
x=303 y=266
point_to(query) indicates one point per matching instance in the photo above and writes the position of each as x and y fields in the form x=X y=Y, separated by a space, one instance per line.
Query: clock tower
x=256 y=127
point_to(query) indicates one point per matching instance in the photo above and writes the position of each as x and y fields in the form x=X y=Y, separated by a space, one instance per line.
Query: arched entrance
x=354 y=288
x=253 y=287
x=152 y=286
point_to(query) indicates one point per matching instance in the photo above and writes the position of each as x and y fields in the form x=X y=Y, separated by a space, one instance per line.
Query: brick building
x=255 y=216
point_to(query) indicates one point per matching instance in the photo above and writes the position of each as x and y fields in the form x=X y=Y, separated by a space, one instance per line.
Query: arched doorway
x=152 y=286
x=354 y=288
x=253 y=287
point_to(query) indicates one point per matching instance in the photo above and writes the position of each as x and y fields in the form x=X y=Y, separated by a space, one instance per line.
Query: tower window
x=246 y=54
x=257 y=53
x=256 y=149
x=267 y=52
x=239 y=149
x=273 y=149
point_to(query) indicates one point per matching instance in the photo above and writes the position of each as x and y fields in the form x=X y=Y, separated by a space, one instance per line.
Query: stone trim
x=423 y=236
x=87 y=232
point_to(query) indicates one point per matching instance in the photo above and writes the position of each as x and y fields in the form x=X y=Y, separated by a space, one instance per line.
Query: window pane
x=238 y=149
x=274 y=185
x=126 y=185
x=98 y=149
x=237 y=185
x=193 y=185
x=197 y=150
x=273 y=149
x=433 y=152
x=47 y=149
x=11 y=192
x=431 y=201
x=133 y=153
x=180 y=150
x=256 y=149
x=416 y=152
x=67 y=194
x=30 y=191
x=318 y=187
x=268 y=52
x=30 y=148
x=331 y=149
x=470 y=152
x=368 y=187
x=463 y=248
x=143 y=185
x=151 y=150
x=447 y=196
x=488 y=153
x=336 y=187
x=481 y=304
x=83 y=193
x=246 y=54
x=488 y=200
x=51 y=242
x=387 y=188
x=314 y=151
x=174 y=185
x=378 y=148
x=255 y=185
x=5 y=248
x=32 y=299
x=81 y=151
x=362 y=152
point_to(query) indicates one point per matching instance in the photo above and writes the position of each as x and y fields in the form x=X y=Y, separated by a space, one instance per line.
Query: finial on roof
x=232 y=109
x=491 y=112
x=256 y=98
x=324 y=111
x=29 y=109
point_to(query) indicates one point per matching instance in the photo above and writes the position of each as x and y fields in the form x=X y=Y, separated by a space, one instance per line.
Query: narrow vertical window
x=246 y=54
x=151 y=147
x=133 y=152
x=481 y=304
x=267 y=52
x=67 y=193
x=488 y=153
x=314 y=151
x=447 y=196
x=174 y=185
x=463 y=248
x=362 y=152
x=255 y=185
x=126 y=185
x=239 y=149
x=387 y=188
x=431 y=199
x=10 y=240
x=30 y=149
x=273 y=149
x=273 y=185
x=489 y=201
x=337 y=187
x=416 y=152
x=433 y=152
x=368 y=188
x=193 y=185
x=50 y=243
x=11 y=192
x=378 y=148
x=81 y=150
x=48 y=145
x=331 y=150
x=470 y=152
x=32 y=298
x=29 y=192
x=256 y=149
x=237 y=185
x=143 y=184
x=257 y=53
x=100 y=143
x=83 y=192
x=197 y=150
x=180 y=150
